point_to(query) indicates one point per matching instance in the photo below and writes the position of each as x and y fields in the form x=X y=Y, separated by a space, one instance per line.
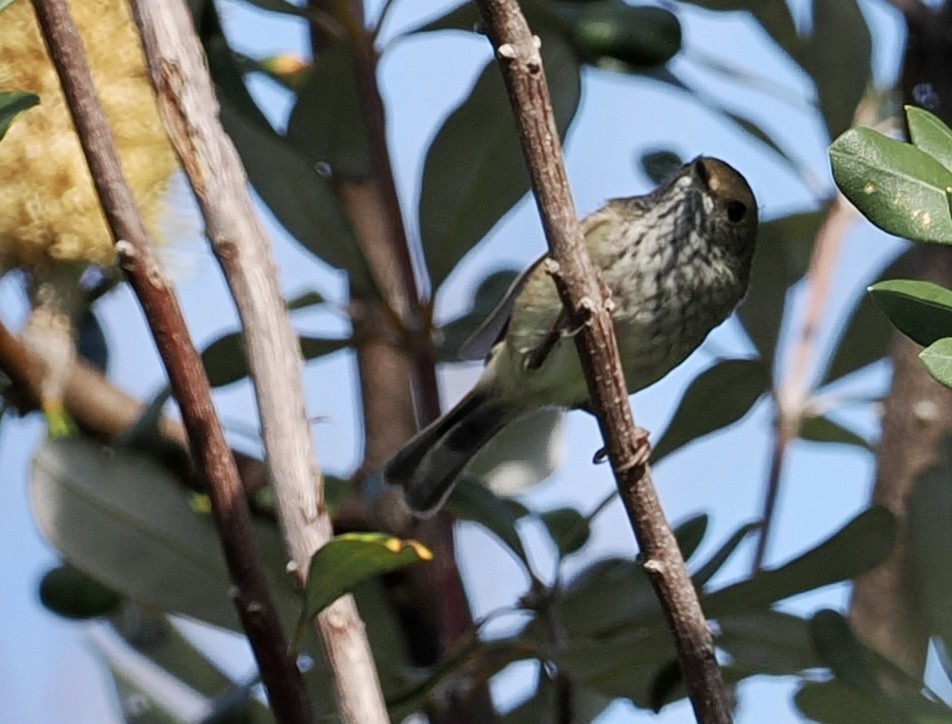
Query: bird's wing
x=493 y=329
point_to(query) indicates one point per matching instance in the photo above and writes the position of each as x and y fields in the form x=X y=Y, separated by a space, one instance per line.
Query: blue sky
x=620 y=116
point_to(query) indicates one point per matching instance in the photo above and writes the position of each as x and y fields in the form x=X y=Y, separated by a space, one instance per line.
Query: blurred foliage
x=599 y=630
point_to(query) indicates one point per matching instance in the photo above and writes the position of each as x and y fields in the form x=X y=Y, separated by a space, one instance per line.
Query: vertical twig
x=390 y=368
x=517 y=51
x=794 y=390
x=189 y=108
x=186 y=375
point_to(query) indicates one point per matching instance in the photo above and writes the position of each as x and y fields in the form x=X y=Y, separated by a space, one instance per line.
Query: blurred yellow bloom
x=50 y=211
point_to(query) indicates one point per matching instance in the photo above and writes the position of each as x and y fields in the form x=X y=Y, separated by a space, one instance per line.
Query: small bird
x=676 y=262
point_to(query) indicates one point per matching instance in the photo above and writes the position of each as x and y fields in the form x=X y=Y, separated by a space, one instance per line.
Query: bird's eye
x=736 y=211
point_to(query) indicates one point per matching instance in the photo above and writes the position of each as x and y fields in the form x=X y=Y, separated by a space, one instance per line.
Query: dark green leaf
x=818 y=428
x=833 y=702
x=350 y=559
x=842 y=652
x=719 y=396
x=279 y=6
x=921 y=310
x=638 y=36
x=930 y=134
x=12 y=104
x=568 y=529
x=300 y=199
x=937 y=358
x=713 y=565
x=305 y=299
x=68 y=592
x=898 y=187
x=152 y=635
x=489 y=293
x=768 y=642
x=474 y=171
x=863 y=337
x=91 y=341
x=660 y=164
x=861 y=545
x=327 y=123
x=781 y=259
x=929 y=531
x=585 y=708
x=838 y=56
x=614 y=595
x=110 y=511
x=620 y=666
x=470 y=500
x=225 y=362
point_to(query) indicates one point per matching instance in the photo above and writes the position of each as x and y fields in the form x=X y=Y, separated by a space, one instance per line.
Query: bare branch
x=518 y=55
x=189 y=107
x=794 y=390
x=186 y=375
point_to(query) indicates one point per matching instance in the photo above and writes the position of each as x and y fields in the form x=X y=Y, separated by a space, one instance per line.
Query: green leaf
x=109 y=512
x=833 y=702
x=864 y=336
x=568 y=529
x=861 y=545
x=470 y=500
x=838 y=55
x=921 y=310
x=350 y=559
x=768 y=642
x=13 y=103
x=718 y=397
x=817 y=428
x=489 y=293
x=637 y=36
x=720 y=557
x=301 y=200
x=937 y=358
x=660 y=164
x=898 y=187
x=929 y=532
x=930 y=134
x=70 y=593
x=781 y=259
x=225 y=361
x=152 y=635
x=310 y=298
x=842 y=652
x=586 y=705
x=614 y=595
x=332 y=132
x=474 y=170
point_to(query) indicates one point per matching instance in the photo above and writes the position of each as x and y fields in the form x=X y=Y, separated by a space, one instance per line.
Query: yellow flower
x=49 y=210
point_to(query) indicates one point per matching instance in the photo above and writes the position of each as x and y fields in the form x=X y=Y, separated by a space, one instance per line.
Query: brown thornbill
x=676 y=262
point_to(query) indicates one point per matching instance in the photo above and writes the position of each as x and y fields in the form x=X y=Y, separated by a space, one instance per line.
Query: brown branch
x=189 y=108
x=186 y=375
x=520 y=62
x=794 y=390
x=397 y=370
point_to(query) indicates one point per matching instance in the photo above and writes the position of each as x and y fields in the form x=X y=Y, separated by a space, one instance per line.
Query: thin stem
x=240 y=243
x=793 y=392
x=186 y=375
x=520 y=62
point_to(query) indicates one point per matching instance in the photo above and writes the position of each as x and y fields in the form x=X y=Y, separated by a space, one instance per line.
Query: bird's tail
x=429 y=464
